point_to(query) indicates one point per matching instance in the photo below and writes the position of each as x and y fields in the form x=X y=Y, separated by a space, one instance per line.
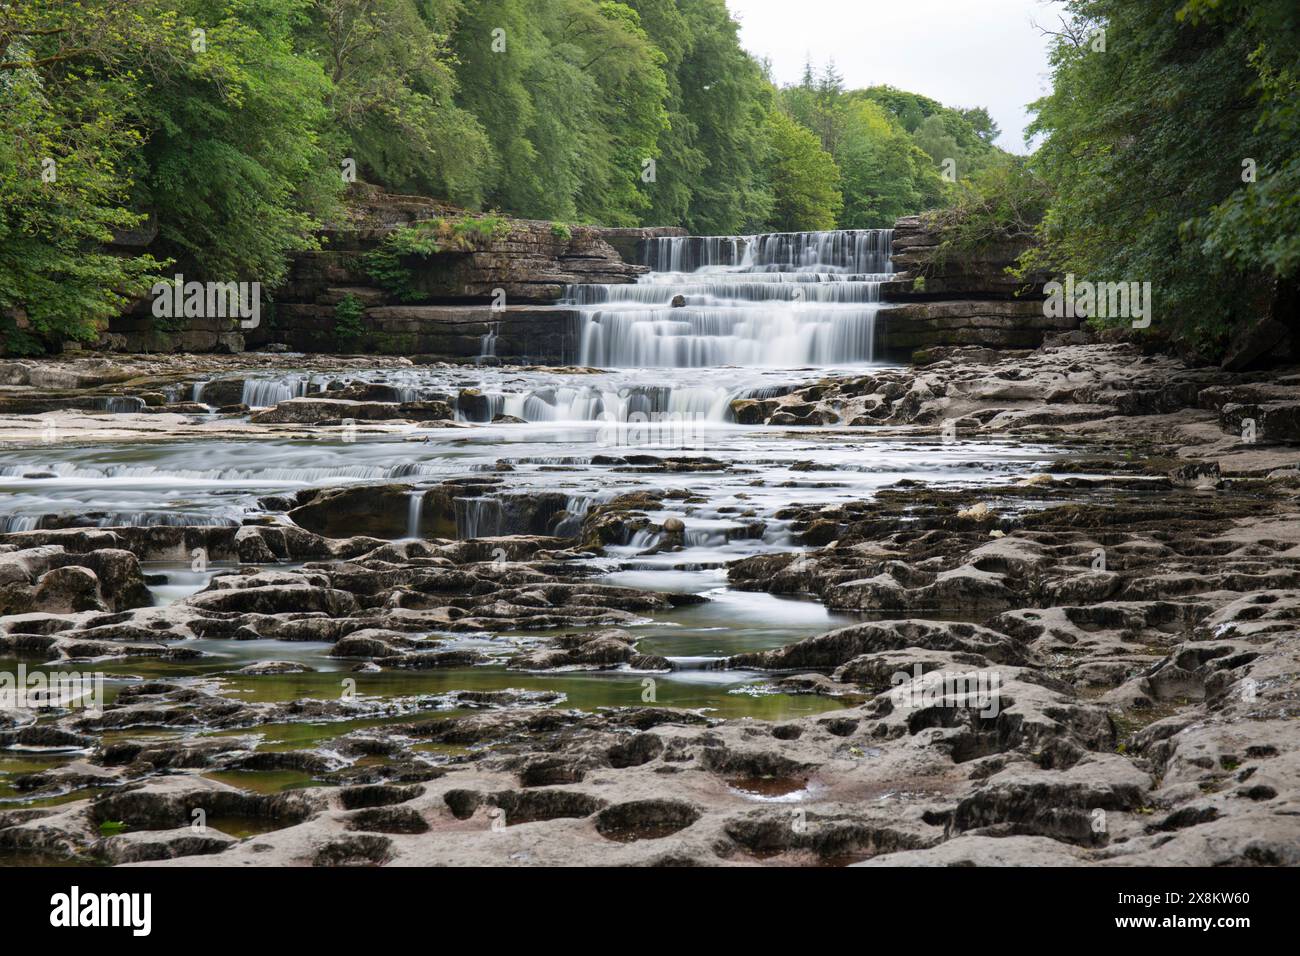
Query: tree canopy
x=1170 y=149
x=218 y=135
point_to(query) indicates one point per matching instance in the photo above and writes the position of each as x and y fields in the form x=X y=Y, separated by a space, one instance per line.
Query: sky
x=959 y=52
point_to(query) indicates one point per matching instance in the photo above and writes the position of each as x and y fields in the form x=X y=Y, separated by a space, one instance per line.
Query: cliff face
x=524 y=270
x=960 y=299
x=495 y=296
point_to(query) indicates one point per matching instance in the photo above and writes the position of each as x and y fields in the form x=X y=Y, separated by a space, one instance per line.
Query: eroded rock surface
x=1091 y=664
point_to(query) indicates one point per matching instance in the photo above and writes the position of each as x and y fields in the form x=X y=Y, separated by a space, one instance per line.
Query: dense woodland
x=227 y=124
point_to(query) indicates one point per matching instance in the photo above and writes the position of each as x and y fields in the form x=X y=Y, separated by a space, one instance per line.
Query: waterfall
x=262 y=393
x=477 y=517
x=123 y=404
x=414 y=510
x=628 y=403
x=488 y=342
x=841 y=250
x=777 y=300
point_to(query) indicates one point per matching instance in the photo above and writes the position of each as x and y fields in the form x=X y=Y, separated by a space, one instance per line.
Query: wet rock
x=645 y=819
x=150 y=810
x=1199 y=476
x=165 y=845
x=550 y=771
x=310 y=411
x=364 y=850
x=380 y=511
x=377 y=795
x=388 y=820
x=636 y=751
x=599 y=649
x=841 y=646
x=262 y=668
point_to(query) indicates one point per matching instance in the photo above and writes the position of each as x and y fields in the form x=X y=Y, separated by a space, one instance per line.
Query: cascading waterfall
x=261 y=393
x=777 y=300
x=626 y=403
x=414 y=512
x=477 y=517
x=488 y=342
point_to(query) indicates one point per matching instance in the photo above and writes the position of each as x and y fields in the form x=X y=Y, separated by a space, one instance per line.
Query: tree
x=1257 y=227
x=981 y=122
x=885 y=174
x=234 y=163
x=805 y=180
x=67 y=133
x=1138 y=195
x=393 y=88
x=606 y=42
x=726 y=96
x=680 y=162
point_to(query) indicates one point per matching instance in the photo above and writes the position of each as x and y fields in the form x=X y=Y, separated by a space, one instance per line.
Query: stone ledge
x=1005 y=324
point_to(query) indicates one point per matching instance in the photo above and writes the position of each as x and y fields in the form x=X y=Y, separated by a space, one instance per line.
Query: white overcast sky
x=959 y=52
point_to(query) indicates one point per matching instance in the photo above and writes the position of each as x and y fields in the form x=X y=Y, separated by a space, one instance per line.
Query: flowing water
x=718 y=319
x=780 y=300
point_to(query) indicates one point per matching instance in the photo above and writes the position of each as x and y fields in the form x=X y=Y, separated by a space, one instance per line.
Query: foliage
x=1002 y=203
x=233 y=162
x=385 y=263
x=886 y=175
x=804 y=177
x=393 y=88
x=890 y=145
x=348 y=325
x=719 y=158
x=223 y=130
x=65 y=133
x=388 y=265
x=1144 y=150
x=1257 y=228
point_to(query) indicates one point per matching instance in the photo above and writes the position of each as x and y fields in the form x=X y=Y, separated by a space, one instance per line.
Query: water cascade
x=777 y=300
x=414 y=510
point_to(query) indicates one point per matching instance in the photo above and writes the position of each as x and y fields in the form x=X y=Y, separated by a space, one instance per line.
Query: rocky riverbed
x=996 y=608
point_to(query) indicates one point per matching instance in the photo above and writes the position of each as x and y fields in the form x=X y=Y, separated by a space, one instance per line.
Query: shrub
x=348 y=325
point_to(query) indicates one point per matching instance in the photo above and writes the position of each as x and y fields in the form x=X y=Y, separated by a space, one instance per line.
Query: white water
x=771 y=313
x=777 y=301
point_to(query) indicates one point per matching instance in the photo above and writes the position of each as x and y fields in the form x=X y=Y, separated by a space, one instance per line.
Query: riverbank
x=1081 y=560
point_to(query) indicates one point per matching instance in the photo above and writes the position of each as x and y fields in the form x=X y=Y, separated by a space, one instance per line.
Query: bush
x=387 y=265
x=1001 y=203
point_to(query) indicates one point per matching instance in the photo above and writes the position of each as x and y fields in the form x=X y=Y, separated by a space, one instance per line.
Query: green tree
x=726 y=96
x=66 y=135
x=1138 y=195
x=234 y=165
x=392 y=92
x=605 y=42
x=885 y=174
x=1257 y=227
x=680 y=162
x=805 y=180
x=981 y=122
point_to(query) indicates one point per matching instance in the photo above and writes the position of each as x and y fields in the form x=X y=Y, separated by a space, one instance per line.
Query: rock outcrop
x=960 y=298
x=1094 y=664
x=521 y=269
